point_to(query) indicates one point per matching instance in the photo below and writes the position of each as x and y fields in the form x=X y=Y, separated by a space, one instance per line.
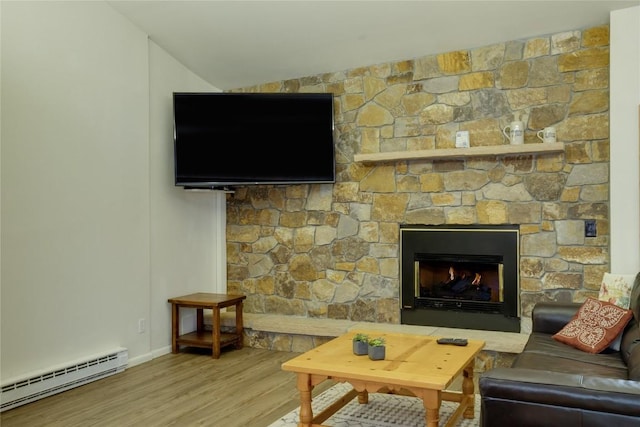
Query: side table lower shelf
x=204 y=339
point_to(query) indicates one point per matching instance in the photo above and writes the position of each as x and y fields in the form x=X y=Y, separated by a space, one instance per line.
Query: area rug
x=383 y=410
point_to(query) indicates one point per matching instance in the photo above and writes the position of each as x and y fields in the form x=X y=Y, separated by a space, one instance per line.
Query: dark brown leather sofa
x=554 y=384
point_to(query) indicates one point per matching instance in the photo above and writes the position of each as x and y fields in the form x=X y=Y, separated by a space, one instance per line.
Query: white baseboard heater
x=36 y=387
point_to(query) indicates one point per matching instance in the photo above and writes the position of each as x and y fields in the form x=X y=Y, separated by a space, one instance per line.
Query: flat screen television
x=224 y=139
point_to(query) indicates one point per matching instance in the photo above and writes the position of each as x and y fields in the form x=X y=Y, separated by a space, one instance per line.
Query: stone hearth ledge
x=501 y=342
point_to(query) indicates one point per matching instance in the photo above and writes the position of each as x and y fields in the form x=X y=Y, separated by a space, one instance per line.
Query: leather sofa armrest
x=555 y=389
x=550 y=317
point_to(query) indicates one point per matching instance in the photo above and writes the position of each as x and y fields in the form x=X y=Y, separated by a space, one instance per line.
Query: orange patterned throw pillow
x=595 y=326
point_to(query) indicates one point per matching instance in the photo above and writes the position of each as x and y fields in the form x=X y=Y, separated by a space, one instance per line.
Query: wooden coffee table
x=415 y=365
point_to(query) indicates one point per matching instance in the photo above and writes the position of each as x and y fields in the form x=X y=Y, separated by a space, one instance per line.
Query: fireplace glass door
x=448 y=279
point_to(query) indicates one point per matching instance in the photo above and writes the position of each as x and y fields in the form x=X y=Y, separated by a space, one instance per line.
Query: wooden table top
x=411 y=360
x=204 y=298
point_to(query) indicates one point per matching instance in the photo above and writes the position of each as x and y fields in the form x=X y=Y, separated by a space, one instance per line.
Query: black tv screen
x=228 y=139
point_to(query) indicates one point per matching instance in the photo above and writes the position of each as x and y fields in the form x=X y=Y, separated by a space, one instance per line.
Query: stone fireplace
x=460 y=277
x=331 y=251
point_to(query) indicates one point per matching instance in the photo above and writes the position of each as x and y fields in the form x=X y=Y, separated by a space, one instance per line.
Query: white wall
x=94 y=236
x=183 y=224
x=75 y=183
x=624 y=140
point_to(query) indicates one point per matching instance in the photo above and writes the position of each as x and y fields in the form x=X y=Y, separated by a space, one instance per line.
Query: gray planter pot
x=360 y=347
x=377 y=352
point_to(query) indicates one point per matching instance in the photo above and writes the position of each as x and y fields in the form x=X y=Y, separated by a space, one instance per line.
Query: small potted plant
x=360 y=344
x=377 y=348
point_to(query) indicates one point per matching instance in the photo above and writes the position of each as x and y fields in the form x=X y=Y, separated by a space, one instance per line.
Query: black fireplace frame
x=492 y=241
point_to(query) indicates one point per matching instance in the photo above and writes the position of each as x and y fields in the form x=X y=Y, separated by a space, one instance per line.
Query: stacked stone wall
x=331 y=250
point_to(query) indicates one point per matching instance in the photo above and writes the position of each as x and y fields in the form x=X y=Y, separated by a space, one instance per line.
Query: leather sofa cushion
x=630 y=350
x=630 y=345
x=542 y=352
x=630 y=340
x=635 y=299
x=551 y=317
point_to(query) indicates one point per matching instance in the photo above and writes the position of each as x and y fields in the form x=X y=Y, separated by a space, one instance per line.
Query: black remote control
x=453 y=341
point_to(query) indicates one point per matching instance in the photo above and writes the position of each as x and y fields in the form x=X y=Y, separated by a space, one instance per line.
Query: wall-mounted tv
x=225 y=139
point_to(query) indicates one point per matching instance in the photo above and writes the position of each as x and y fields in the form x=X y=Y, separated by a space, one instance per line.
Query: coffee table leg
x=305 y=387
x=431 y=400
x=468 y=390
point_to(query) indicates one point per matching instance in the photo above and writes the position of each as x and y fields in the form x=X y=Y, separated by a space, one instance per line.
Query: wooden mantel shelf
x=455 y=153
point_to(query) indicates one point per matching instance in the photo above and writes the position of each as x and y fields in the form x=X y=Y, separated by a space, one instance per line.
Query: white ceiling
x=234 y=44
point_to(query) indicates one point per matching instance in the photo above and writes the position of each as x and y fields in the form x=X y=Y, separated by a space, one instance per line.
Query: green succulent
x=377 y=342
x=361 y=337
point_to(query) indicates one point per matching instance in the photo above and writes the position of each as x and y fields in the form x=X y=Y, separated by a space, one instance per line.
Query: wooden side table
x=201 y=338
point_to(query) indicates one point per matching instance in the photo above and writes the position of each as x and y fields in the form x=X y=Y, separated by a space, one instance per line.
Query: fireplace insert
x=460 y=276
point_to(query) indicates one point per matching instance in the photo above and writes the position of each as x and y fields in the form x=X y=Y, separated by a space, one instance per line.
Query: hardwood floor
x=243 y=388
